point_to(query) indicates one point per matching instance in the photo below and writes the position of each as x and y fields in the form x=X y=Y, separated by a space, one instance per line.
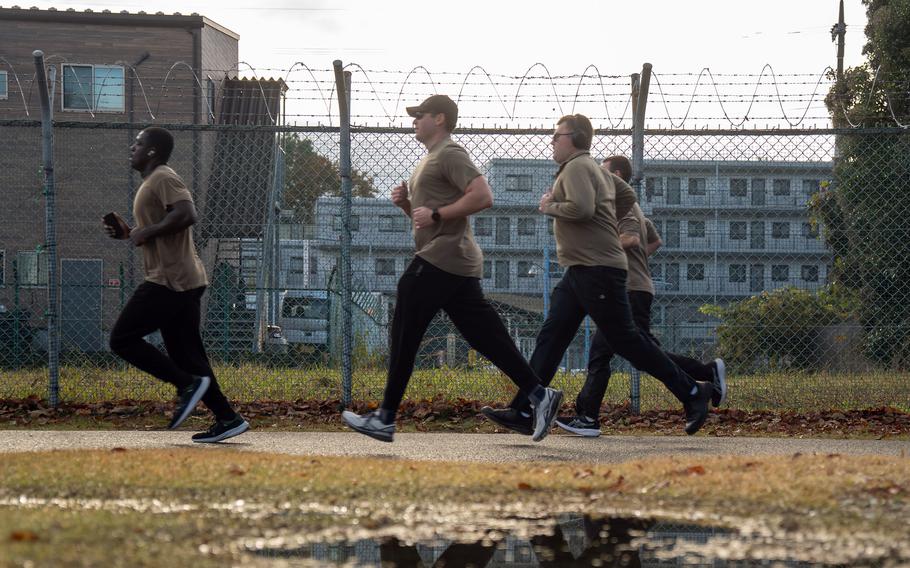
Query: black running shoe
x=579 y=425
x=222 y=430
x=187 y=399
x=510 y=418
x=697 y=407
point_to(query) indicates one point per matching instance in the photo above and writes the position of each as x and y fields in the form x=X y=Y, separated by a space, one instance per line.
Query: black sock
x=386 y=416
x=536 y=395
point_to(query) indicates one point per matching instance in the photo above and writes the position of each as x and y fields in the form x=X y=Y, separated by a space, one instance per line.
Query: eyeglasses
x=558 y=134
x=419 y=115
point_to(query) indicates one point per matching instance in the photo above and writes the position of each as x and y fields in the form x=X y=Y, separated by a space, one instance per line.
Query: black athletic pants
x=177 y=314
x=599 y=292
x=423 y=290
x=592 y=393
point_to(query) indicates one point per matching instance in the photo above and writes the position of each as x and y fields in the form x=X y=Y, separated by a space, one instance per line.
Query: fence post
x=343 y=87
x=640 y=84
x=47 y=137
x=17 y=314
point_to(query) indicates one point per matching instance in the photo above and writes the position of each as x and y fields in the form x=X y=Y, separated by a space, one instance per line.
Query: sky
x=507 y=38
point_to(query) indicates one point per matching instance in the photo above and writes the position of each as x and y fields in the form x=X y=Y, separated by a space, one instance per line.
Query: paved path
x=455 y=447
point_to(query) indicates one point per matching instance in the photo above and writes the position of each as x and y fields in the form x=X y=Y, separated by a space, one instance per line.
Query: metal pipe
x=640 y=87
x=50 y=234
x=343 y=88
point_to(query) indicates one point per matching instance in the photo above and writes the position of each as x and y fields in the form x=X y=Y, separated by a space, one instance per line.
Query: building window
x=483 y=226
x=657 y=271
x=697 y=186
x=739 y=187
x=385 y=267
x=780 y=272
x=695 y=272
x=780 y=230
x=31 y=267
x=810 y=187
x=738 y=230
x=93 y=87
x=289 y=230
x=673 y=190
x=757 y=237
x=757 y=278
x=781 y=187
x=503 y=230
x=672 y=276
x=524 y=269
x=487 y=269
x=502 y=274
x=314 y=266
x=810 y=231
x=297 y=265
x=810 y=273
x=654 y=186
x=393 y=223
x=518 y=182
x=672 y=234
x=210 y=100
x=2 y=267
x=527 y=225
x=696 y=229
x=737 y=273
x=355 y=223
x=4 y=85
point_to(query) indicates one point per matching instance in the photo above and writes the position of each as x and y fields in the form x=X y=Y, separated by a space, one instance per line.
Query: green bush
x=779 y=329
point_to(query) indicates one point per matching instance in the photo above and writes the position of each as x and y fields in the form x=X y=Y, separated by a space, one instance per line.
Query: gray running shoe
x=545 y=413
x=369 y=424
x=579 y=425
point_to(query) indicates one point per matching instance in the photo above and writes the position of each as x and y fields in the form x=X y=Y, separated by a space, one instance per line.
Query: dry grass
x=250 y=382
x=102 y=493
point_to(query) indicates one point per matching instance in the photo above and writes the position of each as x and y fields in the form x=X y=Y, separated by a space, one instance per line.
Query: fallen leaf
x=23 y=536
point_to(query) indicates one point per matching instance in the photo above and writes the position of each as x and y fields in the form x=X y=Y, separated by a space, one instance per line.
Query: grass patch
x=254 y=382
x=198 y=505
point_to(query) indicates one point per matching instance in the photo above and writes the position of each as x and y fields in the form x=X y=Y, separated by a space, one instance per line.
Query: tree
x=309 y=175
x=864 y=212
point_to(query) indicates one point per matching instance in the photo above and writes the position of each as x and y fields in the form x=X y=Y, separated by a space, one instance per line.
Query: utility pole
x=838 y=31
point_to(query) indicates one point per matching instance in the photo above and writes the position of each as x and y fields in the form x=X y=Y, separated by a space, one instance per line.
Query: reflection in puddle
x=577 y=540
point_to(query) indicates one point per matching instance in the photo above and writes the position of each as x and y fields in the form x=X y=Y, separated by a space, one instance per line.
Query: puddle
x=575 y=540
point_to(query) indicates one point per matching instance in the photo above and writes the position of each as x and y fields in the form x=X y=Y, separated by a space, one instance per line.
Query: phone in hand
x=117 y=223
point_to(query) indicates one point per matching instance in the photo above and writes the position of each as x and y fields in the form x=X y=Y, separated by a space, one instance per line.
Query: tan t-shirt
x=585 y=205
x=440 y=179
x=634 y=224
x=170 y=260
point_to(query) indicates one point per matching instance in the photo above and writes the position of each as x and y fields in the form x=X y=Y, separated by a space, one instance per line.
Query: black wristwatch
x=435 y=216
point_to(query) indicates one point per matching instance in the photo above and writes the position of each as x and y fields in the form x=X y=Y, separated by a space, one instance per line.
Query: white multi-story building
x=730 y=230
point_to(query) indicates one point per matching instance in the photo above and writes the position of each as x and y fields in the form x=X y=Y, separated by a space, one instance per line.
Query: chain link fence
x=783 y=252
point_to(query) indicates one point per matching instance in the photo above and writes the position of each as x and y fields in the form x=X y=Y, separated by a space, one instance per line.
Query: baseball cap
x=435 y=105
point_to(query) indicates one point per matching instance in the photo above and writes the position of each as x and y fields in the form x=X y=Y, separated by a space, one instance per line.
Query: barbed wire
x=536 y=95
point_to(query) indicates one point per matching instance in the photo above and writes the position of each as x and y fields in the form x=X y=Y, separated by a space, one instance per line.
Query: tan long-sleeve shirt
x=586 y=204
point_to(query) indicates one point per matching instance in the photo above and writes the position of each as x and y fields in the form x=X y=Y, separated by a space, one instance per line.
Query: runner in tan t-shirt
x=586 y=204
x=639 y=239
x=169 y=299
x=446 y=188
